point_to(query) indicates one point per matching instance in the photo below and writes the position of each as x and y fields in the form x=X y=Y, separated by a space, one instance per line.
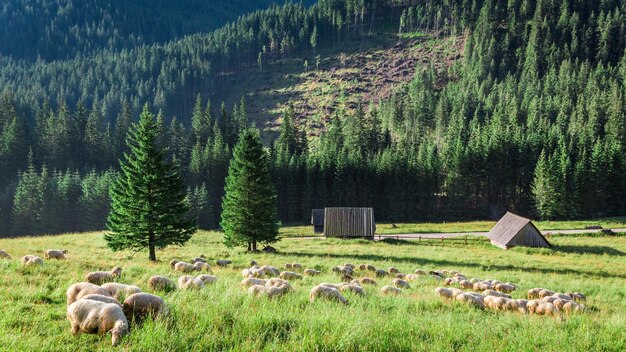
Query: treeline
x=63 y=29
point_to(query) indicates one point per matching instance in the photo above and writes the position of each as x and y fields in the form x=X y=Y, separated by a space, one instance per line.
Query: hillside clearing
x=224 y=317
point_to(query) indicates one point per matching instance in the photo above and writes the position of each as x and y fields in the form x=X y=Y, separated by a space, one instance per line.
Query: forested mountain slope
x=522 y=108
x=62 y=29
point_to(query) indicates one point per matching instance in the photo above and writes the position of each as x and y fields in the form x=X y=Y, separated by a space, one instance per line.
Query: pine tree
x=249 y=203
x=27 y=201
x=148 y=207
x=544 y=189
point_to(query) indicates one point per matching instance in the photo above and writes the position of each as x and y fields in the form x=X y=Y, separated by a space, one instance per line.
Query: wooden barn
x=513 y=230
x=349 y=222
x=317 y=220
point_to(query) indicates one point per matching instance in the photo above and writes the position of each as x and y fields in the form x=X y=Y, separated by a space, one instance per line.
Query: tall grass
x=223 y=317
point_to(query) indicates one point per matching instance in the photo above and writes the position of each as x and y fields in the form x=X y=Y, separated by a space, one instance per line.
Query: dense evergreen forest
x=531 y=119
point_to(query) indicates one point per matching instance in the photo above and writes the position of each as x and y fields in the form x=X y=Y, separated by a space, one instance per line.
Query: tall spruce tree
x=148 y=208
x=249 y=205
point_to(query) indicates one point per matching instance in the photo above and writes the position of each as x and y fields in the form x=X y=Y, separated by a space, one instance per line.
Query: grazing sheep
x=276 y=282
x=253 y=263
x=173 y=263
x=473 y=300
x=495 y=294
x=189 y=283
x=577 y=296
x=367 y=281
x=81 y=289
x=101 y=277
x=248 y=282
x=290 y=275
x=449 y=282
x=370 y=267
x=101 y=298
x=335 y=286
x=533 y=293
x=200 y=266
x=474 y=280
x=288 y=266
x=546 y=309
x=549 y=299
x=161 y=283
x=223 y=262
x=559 y=303
x=350 y=265
x=482 y=286
x=532 y=305
x=311 y=272
x=399 y=283
x=326 y=292
x=207 y=279
x=55 y=254
x=4 y=255
x=256 y=290
x=437 y=274
x=344 y=270
x=448 y=292
x=353 y=288
x=89 y=316
x=545 y=293
x=505 y=288
x=270 y=291
x=390 y=290
x=198 y=260
x=573 y=307
x=563 y=296
x=381 y=273
x=257 y=272
x=362 y=267
x=410 y=277
x=393 y=270
x=420 y=272
x=466 y=284
x=401 y=276
x=31 y=260
x=116 y=290
x=297 y=266
x=184 y=267
x=270 y=270
x=138 y=306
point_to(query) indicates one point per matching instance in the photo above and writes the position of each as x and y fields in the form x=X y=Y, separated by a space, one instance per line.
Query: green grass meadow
x=224 y=317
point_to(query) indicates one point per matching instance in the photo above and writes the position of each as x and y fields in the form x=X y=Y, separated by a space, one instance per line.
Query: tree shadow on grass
x=450 y=263
x=599 y=250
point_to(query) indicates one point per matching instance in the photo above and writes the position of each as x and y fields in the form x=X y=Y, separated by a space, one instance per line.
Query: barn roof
x=508 y=227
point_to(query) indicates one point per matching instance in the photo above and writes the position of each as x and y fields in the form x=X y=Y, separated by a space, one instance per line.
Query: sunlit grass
x=224 y=317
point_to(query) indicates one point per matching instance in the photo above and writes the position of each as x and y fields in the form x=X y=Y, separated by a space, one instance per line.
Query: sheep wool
x=102 y=298
x=370 y=267
x=326 y=292
x=138 y=306
x=81 y=289
x=223 y=262
x=276 y=282
x=116 y=290
x=173 y=263
x=249 y=282
x=190 y=283
x=290 y=275
x=202 y=266
x=420 y=272
x=89 y=316
x=393 y=270
x=495 y=293
x=31 y=260
x=473 y=300
x=399 y=283
x=350 y=265
x=100 y=277
x=390 y=290
x=353 y=288
x=161 y=283
x=207 y=279
x=381 y=273
x=55 y=254
x=184 y=267
x=545 y=293
x=505 y=288
x=4 y=255
x=335 y=286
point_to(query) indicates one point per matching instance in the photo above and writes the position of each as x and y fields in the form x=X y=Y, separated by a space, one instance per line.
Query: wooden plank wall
x=349 y=222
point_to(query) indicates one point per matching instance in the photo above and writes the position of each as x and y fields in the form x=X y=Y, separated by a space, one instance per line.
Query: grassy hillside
x=224 y=317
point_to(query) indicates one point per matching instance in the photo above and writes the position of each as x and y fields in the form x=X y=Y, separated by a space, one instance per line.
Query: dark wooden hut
x=349 y=222
x=317 y=220
x=513 y=230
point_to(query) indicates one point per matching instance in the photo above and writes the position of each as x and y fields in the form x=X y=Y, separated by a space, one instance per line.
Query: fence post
x=442 y=241
x=420 y=239
x=397 y=237
x=466 y=241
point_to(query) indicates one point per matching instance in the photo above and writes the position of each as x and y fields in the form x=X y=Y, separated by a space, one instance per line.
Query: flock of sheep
x=100 y=304
x=495 y=295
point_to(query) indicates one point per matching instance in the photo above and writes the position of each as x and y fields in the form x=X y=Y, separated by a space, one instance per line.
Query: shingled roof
x=513 y=230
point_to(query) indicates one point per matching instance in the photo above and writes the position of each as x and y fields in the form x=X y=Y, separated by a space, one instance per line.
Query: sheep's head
x=64 y=251
x=118 y=332
x=117 y=271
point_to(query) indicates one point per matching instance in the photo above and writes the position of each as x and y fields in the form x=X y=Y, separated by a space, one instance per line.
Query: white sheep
x=546 y=309
x=482 y=286
x=466 y=284
x=344 y=270
x=100 y=277
x=116 y=290
x=546 y=293
x=577 y=296
x=381 y=273
x=256 y=290
x=399 y=283
x=367 y=281
x=393 y=270
x=81 y=289
x=184 y=267
x=474 y=300
x=101 y=298
x=353 y=288
x=450 y=293
x=496 y=294
x=4 y=255
x=173 y=263
x=187 y=282
x=401 y=276
x=326 y=292
x=350 y=265
x=89 y=316
x=276 y=282
x=290 y=275
x=410 y=277
x=563 y=296
x=270 y=270
x=505 y=288
x=248 y=282
x=370 y=267
x=573 y=307
x=207 y=279
x=31 y=260
x=362 y=267
x=138 y=306
x=55 y=254
x=161 y=283
x=335 y=286
x=390 y=290
x=420 y=272
x=311 y=272
x=202 y=266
